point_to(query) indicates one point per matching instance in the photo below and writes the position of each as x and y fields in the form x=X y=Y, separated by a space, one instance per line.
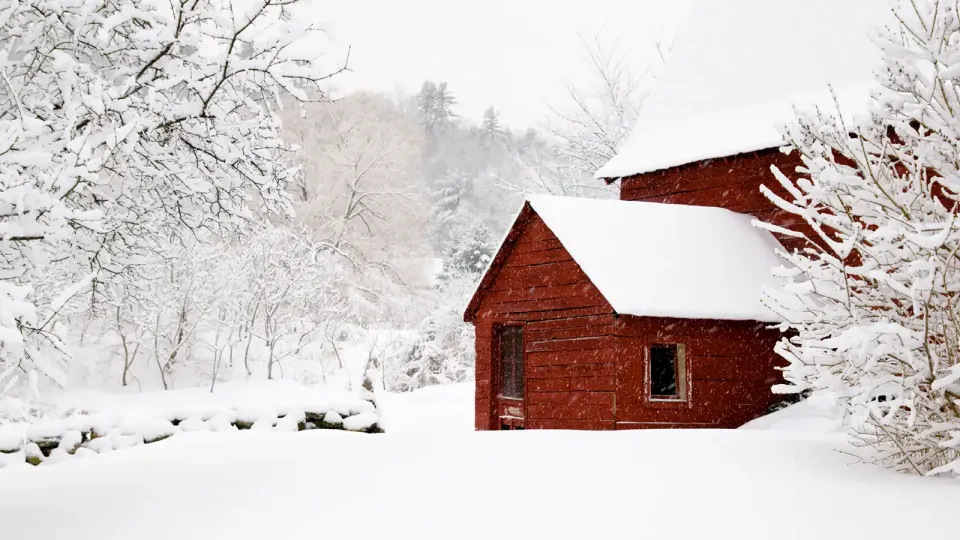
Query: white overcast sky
x=512 y=54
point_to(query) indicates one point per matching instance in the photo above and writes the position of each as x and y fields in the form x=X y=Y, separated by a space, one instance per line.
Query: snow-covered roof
x=738 y=68
x=665 y=260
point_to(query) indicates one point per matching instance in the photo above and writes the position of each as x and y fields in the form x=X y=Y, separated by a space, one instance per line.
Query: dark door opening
x=510 y=374
x=511 y=361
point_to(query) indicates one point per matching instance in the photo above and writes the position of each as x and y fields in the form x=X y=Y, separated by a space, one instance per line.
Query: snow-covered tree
x=259 y=305
x=361 y=195
x=469 y=256
x=287 y=294
x=548 y=169
x=599 y=111
x=435 y=104
x=873 y=299
x=126 y=123
x=442 y=110
x=359 y=156
x=490 y=129
x=425 y=102
x=586 y=127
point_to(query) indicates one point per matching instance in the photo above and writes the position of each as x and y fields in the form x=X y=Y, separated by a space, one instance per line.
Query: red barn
x=646 y=312
x=600 y=314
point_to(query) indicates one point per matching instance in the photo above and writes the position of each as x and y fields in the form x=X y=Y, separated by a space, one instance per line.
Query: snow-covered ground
x=817 y=415
x=445 y=408
x=445 y=481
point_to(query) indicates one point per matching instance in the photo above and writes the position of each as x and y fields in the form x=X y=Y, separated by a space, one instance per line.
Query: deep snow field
x=431 y=477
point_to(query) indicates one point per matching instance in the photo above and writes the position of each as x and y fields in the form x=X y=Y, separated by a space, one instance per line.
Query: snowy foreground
x=413 y=483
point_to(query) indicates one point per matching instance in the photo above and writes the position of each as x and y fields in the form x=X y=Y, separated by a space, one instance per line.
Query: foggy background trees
x=175 y=217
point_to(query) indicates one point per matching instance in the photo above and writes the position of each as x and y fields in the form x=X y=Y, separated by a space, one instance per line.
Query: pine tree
x=448 y=197
x=435 y=107
x=426 y=101
x=490 y=129
x=443 y=107
x=469 y=256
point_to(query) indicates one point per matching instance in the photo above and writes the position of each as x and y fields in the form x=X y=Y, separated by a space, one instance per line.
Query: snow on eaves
x=663 y=260
x=739 y=67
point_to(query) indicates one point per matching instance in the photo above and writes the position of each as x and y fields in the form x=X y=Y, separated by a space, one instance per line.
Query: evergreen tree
x=448 y=197
x=469 y=256
x=443 y=107
x=425 y=105
x=435 y=106
x=490 y=129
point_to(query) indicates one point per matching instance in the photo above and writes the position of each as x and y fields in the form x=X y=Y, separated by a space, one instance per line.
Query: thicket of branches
x=124 y=127
x=875 y=295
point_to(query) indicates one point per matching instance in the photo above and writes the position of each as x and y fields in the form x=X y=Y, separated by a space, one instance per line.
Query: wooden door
x=511 y=379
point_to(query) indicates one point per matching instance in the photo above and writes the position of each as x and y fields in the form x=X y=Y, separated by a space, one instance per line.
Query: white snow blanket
x=428 y=480
x=443 y=408
x=819 y=414
x=737 y=69
x=684 y=484
x=664 y=260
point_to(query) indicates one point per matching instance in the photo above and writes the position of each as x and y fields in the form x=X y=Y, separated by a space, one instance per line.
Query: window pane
x=663 y=371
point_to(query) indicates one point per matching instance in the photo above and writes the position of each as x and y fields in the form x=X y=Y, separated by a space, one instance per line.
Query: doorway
x=511 y=379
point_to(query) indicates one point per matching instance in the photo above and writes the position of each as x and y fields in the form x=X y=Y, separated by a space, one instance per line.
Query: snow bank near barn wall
x=818 y=414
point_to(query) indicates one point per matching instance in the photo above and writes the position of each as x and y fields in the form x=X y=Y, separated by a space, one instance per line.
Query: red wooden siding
x=731 y=182
x=730 y=367
x=568 y=335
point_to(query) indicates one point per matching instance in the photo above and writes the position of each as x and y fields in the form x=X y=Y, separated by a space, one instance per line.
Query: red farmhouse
x=646 y=312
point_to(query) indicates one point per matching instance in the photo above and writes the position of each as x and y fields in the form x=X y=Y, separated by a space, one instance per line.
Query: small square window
x=667 y=373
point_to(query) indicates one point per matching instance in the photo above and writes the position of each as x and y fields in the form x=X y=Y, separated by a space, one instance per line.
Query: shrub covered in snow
x=875 y=302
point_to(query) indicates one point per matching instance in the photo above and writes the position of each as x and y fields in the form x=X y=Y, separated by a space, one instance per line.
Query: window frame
x=681 y=372
x=519 y=336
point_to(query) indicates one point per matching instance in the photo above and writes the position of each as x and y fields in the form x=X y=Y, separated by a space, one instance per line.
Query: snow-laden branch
x=128 y=124
x=875 y=304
